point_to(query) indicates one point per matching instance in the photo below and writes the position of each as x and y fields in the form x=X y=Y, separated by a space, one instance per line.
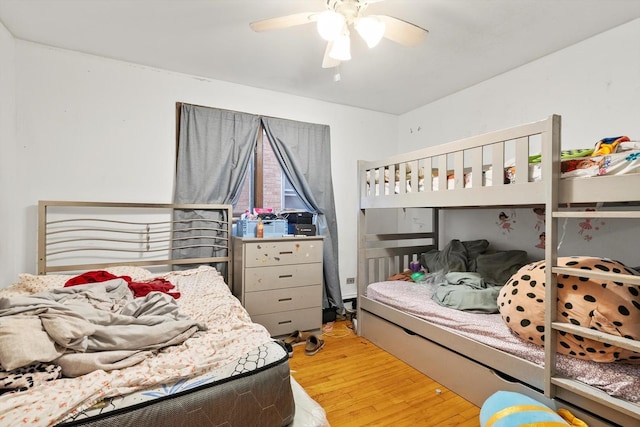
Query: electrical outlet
x=351 y=280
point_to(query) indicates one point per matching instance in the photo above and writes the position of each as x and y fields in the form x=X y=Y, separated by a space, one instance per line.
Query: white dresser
x=279 y=281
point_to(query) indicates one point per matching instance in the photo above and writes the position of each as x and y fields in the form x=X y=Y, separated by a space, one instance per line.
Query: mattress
x=232 y=369
x=253 y=390
x=616 y=379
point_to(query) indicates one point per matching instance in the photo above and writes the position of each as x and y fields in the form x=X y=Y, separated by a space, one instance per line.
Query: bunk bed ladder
x=552 y=380
x=554 y=383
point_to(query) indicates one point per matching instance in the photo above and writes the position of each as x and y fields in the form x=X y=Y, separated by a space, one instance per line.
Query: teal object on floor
x=510 y=409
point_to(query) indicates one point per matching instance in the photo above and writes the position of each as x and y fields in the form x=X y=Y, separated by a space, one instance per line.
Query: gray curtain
x=214 y=150
x=304 y=153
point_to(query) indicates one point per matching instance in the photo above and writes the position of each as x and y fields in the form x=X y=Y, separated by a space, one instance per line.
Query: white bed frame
x=471 y=369
x=77 y=236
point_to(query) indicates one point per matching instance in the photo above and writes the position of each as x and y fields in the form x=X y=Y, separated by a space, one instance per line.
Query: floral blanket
x=205 y=298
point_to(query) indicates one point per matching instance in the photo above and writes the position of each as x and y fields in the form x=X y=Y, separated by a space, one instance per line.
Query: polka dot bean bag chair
x=607 y=306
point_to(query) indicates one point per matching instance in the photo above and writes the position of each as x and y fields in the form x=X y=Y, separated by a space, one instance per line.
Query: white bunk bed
x=470 y=368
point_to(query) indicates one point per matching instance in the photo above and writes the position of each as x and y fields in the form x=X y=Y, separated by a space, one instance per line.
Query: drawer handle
x=284 y=322
x=284 y=299
x=286 y=253
x=285 y=276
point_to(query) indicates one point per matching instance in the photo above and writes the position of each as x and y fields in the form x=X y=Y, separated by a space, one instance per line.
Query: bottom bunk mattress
x=619 y=380
x=228 y=371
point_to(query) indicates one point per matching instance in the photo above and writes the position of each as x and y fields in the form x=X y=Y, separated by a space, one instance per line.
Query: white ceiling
x=469 y=41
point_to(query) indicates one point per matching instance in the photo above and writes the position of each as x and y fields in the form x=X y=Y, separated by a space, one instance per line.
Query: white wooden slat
x=458 y=170
x=380 y=184
x=597 y=274
x=477 y=175
x=522 y=160
x=598 y=214
x=581 y=389
x=402 y=183
x=497 y=164
x=415 y=171
x=526 y=194
x=621 y=188
x=442 y=174
x=598 y=336
x=428 y=174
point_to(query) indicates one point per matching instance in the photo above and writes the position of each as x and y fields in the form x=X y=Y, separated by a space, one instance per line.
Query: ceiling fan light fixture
x=371 y=29
x=341 y=49
x=330 y=25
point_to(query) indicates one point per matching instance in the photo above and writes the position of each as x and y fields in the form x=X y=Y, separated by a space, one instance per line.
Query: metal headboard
x=81 y=236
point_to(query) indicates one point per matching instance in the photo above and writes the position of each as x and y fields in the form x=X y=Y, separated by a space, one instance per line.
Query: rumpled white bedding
x=88 y=327
x=616 y=379
x=205 y=298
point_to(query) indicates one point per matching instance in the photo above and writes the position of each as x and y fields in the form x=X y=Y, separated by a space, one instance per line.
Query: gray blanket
x=473 y=275
x=467 y=291
x=88 y=327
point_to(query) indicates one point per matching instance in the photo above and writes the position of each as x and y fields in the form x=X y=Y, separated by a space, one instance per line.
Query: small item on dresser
x=260 y=228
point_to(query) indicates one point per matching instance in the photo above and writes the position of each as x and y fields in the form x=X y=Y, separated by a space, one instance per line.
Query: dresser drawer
x=282 y=299
x=285 y=322
x=285 y=276
x=268 y=253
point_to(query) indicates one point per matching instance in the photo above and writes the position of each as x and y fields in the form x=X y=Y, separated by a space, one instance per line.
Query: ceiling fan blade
x=327 y=61
x=284 y=21
x=402 y=32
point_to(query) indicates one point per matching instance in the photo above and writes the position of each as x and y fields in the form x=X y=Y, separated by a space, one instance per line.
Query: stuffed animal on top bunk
x=603 y=305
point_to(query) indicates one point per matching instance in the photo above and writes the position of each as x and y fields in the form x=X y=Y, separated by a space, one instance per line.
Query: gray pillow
x=452 y=258
x=474 y=248
x=497 y=267
x=456 y=256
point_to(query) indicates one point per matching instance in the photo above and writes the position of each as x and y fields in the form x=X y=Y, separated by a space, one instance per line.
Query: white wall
x=91 y=128
x=8 y=147
x=594 y=85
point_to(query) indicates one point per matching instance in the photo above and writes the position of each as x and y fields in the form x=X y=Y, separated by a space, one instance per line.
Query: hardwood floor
x=358 y=384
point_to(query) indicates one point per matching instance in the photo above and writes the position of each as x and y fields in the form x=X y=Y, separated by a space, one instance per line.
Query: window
x=265 y=185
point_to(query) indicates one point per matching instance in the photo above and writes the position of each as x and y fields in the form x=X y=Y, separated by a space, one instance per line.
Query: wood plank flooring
x=359 y=384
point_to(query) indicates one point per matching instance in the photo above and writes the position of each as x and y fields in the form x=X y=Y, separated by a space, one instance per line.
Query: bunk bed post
x=551 y=178
x=42 y=231
x=435 y=227
x=362 y=274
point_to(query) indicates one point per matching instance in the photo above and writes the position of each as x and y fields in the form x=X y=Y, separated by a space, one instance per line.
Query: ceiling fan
x=334 y=26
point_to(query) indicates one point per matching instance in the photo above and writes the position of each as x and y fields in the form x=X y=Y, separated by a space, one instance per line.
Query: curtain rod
x=179 y=104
